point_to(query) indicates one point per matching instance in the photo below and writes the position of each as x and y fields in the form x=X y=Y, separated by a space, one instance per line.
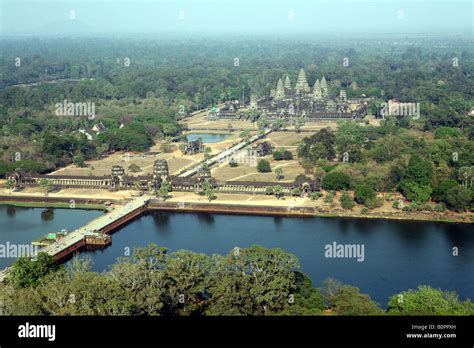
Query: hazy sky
x=234 y=16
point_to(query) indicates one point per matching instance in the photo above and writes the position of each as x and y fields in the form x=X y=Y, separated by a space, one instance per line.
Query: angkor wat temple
x=301 y=101
x=120 y=180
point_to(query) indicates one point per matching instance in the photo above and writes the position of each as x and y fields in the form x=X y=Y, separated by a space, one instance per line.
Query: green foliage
x=314 y=195
x=416 y=206
x=29 y=166
x=346 y=201
x=396 y=174
x=329 y=197
x=440 y=190
x=279 y=123
x=398 y=204
x=458 y=198
x=419 y=170
x=9 y=184
x=29 y=273
x=209 y=190
x=305 y=300
x=279 y=173
x=363 y=192
x=153 y=281
x=447 y=132
x=282 y=154
x=78 y=160
x=328 y=168
x=412 y=207
x=131 y=138
x=278 y=191
x=414 y=191
x=263 y=166
x=233 y=163
x=374 y=202
x=164 y=189
x=386 y=149
x=440 y=207
x=350 y=139
x=253 y=281
x=336 y=181
x=428 y=301
x=296 y=192
x=4 y=168
x=318 y=146
x=46 y=185
x=245 y=134
x=347 y=300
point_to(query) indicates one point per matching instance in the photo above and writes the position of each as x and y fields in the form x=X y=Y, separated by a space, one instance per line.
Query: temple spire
x=324 y=87
x=317 y=85
x=280 y=91
x=317 y=94
x=287 y=83
x=302 y=83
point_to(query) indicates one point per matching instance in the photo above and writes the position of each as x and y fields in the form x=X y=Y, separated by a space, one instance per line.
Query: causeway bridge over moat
x=105 y=224
x=226 y=154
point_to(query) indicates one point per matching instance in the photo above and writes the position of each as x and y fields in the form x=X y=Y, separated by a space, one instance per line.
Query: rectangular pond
x=207 y=138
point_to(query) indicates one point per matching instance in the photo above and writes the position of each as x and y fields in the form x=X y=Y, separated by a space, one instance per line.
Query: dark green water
x=398 y=255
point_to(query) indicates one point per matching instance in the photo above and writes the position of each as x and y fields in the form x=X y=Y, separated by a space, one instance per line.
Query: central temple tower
x=302 y=84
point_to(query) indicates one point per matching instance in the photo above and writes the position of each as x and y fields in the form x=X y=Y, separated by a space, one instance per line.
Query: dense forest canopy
x=406 y=69
x=155 y=281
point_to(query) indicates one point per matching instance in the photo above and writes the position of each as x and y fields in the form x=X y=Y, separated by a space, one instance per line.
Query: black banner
x=327 y=330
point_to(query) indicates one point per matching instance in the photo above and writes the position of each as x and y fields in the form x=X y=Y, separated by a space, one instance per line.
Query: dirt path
x=253 y=173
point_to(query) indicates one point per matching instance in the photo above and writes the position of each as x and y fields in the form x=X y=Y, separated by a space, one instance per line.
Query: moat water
x=398 y=255
x=20 y=225
x=207 y=138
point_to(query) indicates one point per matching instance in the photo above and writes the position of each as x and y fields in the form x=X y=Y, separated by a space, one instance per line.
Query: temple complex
x=120 y=180
x=316 y=103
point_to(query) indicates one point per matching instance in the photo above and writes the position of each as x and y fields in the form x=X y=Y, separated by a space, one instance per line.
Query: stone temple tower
x=160 y=173
x=287 y=83
x=280 y=91
x=302 y=84
x=160 y=169
x=317 y=94
x=324 y=87
x=118 y=176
